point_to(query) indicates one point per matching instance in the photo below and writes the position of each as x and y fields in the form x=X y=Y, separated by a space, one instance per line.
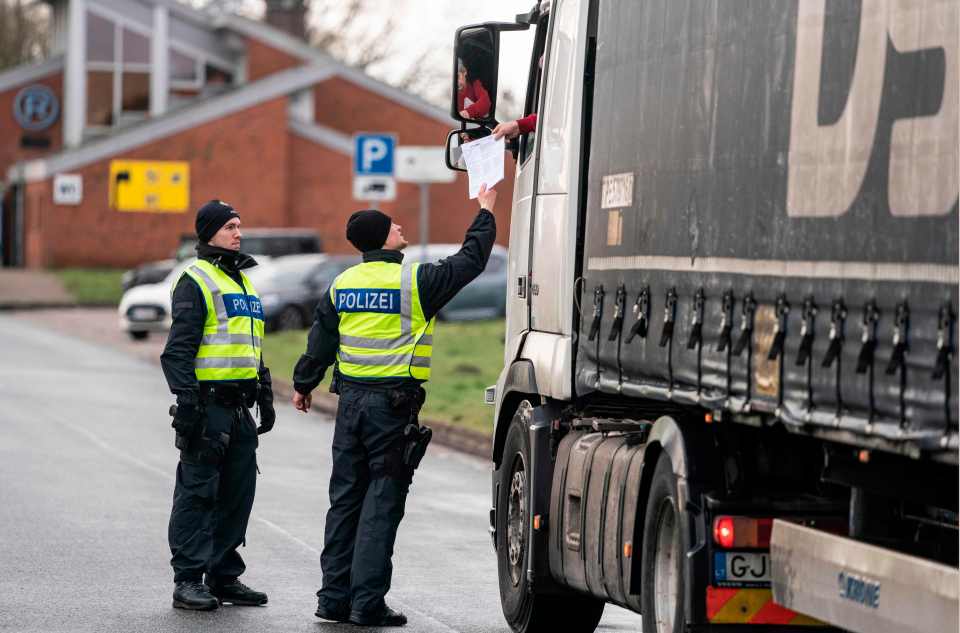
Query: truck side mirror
x=455 y=139
x=475 y=64
x=453 y=154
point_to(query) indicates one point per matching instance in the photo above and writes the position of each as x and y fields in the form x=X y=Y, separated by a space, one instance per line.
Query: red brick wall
x=241 y=158
x=322 y=198
x=263 y=60
x=11 y=132
x=349 y=108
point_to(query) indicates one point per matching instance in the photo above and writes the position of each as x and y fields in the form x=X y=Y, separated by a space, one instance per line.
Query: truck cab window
x=529 y=141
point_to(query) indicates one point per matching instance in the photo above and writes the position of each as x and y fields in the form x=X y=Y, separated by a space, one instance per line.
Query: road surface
x=86 y=482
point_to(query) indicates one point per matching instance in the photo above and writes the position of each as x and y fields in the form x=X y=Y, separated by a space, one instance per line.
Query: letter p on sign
x=373 y=154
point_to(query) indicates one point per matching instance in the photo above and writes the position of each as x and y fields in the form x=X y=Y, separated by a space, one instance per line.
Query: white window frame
x=117 y=66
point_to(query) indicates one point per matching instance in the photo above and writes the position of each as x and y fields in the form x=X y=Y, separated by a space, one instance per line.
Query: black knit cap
x=368 y=229
x=211 y=217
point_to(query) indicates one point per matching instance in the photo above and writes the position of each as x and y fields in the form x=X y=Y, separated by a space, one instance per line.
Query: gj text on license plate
x=741 y=567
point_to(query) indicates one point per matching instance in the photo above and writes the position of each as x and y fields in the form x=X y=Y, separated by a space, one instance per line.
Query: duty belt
x=229 y=394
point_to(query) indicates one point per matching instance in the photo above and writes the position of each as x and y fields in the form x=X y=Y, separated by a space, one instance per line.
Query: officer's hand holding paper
x=484 y=158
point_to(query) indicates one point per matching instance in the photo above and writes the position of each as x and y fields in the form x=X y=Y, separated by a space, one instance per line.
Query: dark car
x=149 y=273
x=483 y=298
x=290 y=287
x=270 y=242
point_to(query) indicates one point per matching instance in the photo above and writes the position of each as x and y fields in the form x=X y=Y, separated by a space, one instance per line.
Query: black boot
x=193 y=595
x=334 y=615
x=387 y=617
x=237 y=593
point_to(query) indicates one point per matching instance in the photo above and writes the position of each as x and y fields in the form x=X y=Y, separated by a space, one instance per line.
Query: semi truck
x=728 y=399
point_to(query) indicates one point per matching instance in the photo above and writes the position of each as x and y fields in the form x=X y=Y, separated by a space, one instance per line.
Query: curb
x=444 y=433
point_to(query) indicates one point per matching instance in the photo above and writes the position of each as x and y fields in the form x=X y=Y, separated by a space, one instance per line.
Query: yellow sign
x=150 y=185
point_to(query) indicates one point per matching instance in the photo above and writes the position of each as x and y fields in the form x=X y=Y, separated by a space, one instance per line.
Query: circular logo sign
x=36 y=108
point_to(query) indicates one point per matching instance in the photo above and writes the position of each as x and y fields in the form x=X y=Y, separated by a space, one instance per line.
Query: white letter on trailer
x=923 y=150
x=827 y=163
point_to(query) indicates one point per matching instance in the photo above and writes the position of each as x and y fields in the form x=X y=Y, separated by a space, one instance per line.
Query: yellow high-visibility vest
x=383 y=332
x=233 y=332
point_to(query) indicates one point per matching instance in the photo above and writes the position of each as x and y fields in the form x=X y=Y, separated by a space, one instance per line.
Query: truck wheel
x=663 y=569
x=527 y=612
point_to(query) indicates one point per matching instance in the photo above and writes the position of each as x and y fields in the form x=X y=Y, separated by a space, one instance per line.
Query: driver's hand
x=509 y=129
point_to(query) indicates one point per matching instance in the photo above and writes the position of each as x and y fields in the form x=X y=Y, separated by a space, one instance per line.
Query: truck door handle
x=522 y=287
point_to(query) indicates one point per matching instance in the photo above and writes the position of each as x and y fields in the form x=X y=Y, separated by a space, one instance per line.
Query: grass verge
x=99 y=286
x=467 y=358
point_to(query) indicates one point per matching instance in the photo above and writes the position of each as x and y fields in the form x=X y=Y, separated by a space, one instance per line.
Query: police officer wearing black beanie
x=372 y=444
x=217 y=376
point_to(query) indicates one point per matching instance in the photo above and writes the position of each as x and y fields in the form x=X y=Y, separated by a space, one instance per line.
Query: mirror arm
x=529 y=17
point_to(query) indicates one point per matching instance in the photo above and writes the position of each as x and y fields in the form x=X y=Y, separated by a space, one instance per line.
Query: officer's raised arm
x=440 y=282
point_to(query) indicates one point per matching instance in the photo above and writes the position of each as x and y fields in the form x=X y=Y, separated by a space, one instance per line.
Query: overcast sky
x=434 y=23
x=423 y=25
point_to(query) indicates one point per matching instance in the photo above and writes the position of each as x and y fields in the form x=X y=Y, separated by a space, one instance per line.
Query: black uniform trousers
x=367 y=500
x=213 y=497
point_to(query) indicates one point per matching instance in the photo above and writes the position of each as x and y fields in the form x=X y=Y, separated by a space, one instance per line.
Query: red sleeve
x=528 y=123
x=481 y=107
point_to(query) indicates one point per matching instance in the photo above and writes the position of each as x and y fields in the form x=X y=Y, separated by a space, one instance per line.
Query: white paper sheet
x=484 y=158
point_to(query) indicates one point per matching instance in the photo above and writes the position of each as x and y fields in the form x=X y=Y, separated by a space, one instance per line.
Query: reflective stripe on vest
x=383 y=332
x=233 y=331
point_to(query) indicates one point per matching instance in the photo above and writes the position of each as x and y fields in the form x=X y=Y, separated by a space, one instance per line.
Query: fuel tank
x=596 y=484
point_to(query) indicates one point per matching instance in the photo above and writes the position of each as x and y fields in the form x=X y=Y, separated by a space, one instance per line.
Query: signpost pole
x=424 y=214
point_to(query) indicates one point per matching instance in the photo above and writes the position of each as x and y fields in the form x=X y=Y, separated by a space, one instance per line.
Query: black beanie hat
x=211 y=217
x=368 y=229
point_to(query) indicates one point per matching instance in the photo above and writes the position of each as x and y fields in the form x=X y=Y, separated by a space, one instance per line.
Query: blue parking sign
x=373 y=154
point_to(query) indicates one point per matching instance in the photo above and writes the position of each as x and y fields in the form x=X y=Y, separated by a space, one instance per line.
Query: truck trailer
x=728 y=399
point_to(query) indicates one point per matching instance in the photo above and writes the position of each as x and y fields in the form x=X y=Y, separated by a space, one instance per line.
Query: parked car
x=271 y=242
x=291 y=286
x=145 y=308
x=149 y=273
x=483 y=298
x=257 y=242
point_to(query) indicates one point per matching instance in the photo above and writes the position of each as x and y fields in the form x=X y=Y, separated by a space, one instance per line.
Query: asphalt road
x=86 y=481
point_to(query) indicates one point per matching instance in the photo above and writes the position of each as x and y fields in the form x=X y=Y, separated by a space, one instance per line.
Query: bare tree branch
x=23 y=33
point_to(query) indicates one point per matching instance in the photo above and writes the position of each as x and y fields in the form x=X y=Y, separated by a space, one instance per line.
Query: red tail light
x=730 y=532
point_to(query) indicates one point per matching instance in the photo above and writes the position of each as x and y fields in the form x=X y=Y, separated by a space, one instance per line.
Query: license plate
x=741 y=568
x=143 y=314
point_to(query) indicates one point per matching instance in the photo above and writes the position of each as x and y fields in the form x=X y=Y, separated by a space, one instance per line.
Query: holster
x=208 y=449
x=335 y=381
x=415 y=441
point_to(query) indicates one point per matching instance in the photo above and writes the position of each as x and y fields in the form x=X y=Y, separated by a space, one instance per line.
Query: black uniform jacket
x=437 y=283
x=186 y=333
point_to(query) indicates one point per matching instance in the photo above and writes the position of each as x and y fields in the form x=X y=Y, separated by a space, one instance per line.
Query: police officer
x=376 y=322
x=212 y=364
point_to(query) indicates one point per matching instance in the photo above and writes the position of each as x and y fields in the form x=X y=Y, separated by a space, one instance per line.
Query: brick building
x=261 y=120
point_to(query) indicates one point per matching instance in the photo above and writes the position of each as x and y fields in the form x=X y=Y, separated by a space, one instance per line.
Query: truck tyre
x=663 y=570
x=527 y=612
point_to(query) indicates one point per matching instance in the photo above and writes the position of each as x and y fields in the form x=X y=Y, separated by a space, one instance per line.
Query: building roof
x=298 y=48
x=328 y=137
x=30 y=72
x=270 y=87
x=318 y=67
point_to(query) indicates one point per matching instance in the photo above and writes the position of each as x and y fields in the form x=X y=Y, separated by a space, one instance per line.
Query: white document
x=484 y=158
